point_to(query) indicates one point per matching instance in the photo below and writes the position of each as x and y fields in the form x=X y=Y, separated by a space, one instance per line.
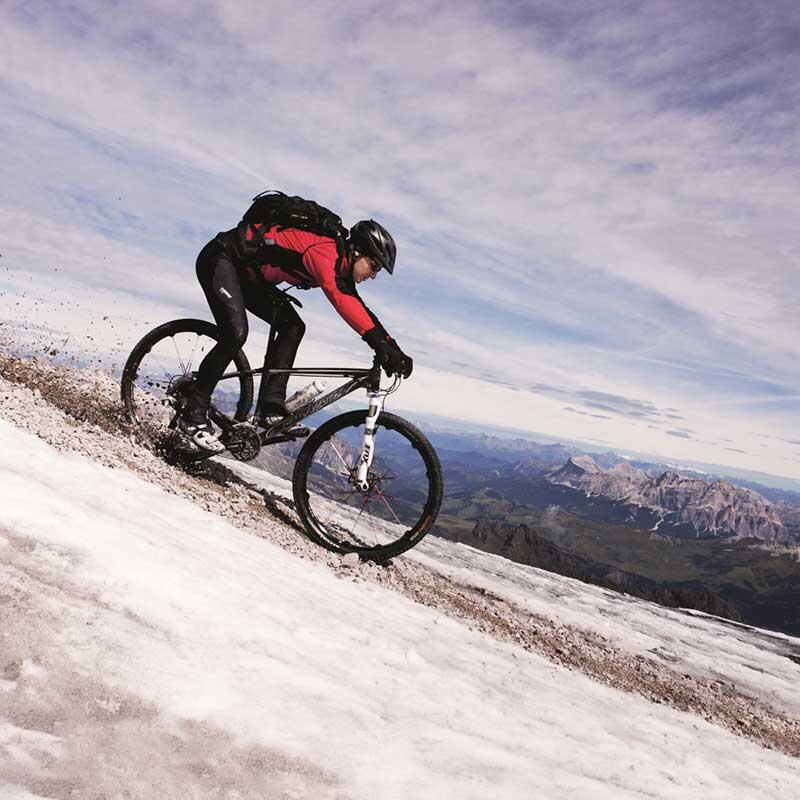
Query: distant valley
x=647 y=529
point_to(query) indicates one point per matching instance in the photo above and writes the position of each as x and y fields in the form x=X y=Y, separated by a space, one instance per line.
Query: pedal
x=299 y=432
x=275 y=435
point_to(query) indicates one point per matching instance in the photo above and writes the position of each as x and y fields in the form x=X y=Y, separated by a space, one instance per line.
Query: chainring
x=242 y=442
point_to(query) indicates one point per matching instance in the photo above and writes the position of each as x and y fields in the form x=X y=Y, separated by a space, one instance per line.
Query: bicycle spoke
x=341 y=458
x=352 y=538
x=180 y=361
x=386 y=503
x=358 y=516
x=169 y=376
x=191 y=355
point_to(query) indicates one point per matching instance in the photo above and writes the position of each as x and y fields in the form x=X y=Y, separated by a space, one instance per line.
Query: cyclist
x=240 y=269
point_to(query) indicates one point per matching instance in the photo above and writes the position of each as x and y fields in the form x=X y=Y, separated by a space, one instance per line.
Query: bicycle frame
x=359 y=378
x=370 y=379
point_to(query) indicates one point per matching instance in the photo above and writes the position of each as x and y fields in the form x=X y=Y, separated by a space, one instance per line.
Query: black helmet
x=373 y=240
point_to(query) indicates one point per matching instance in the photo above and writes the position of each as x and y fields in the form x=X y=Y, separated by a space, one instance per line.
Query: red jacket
x=314 y=265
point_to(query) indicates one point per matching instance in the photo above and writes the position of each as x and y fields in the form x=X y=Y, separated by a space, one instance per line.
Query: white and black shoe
x=270 y=413
x=202 y=434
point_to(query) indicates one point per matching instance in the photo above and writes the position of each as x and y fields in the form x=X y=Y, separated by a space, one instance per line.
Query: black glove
x=390 y=356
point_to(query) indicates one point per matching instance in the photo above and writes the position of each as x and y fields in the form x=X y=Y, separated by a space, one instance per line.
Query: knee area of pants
x=235 y=338
x=295 y=329
x=293 y=333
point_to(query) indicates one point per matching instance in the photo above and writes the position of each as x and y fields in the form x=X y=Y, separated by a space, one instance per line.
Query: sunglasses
x=374 y=265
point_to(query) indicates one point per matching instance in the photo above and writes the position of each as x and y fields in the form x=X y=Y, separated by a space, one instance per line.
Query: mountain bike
x=365 y=481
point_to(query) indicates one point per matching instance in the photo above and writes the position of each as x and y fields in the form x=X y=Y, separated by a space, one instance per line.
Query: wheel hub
x=179 y=385
x=366 y=487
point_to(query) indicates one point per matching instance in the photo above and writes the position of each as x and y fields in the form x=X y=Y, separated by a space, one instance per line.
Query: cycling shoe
x=202 y=434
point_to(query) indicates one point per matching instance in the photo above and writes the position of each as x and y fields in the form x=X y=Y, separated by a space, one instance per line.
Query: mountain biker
x=241 y=268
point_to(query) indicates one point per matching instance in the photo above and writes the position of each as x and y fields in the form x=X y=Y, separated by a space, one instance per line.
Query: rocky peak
x=626 y=470
x=670 y=478
x=578 y=466
x=711 y=509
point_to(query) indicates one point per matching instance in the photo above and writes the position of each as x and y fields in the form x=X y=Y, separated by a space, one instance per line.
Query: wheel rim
x=165 y=374
x=395 y=507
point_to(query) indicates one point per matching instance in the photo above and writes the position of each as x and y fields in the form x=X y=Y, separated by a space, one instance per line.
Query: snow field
x=352 y=689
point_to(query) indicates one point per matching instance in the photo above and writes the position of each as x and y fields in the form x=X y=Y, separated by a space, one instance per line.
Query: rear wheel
x=404 y=494
x=159 y=374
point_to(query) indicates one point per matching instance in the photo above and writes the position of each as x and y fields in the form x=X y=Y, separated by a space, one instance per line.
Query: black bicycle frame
x=369 y=379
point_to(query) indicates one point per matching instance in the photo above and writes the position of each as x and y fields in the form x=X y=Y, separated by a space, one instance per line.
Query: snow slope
x=763 y=664
x=151 y=647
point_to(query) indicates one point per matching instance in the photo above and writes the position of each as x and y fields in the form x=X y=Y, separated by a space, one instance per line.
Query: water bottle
x=304 y=395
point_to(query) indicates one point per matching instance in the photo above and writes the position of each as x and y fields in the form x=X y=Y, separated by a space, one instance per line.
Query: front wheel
x=404 y=494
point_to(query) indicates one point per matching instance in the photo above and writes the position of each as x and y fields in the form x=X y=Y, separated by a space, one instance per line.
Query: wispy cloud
x=594 y=206
x=685 y=435
x=586 y=413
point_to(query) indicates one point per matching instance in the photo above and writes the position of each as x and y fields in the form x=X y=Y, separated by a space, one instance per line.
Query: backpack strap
x=290 y=261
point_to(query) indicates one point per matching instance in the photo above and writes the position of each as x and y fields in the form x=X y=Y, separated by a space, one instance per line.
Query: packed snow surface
x=151 y=648
x=763 y=664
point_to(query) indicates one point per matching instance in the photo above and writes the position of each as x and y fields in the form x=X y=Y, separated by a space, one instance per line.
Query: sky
x=595 y=204
x=176 y=655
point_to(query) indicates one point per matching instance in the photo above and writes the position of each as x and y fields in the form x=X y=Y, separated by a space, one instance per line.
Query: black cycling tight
x=228 y=295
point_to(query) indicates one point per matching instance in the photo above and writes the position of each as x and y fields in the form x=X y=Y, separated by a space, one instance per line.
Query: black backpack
x=277 y=208
x=273 y=208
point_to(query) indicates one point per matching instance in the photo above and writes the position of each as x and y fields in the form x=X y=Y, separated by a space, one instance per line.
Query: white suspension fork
x=368 y=446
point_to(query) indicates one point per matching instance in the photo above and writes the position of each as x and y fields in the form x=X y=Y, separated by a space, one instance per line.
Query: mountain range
x=607 y=487
x=649 y=529
x=680 y=504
